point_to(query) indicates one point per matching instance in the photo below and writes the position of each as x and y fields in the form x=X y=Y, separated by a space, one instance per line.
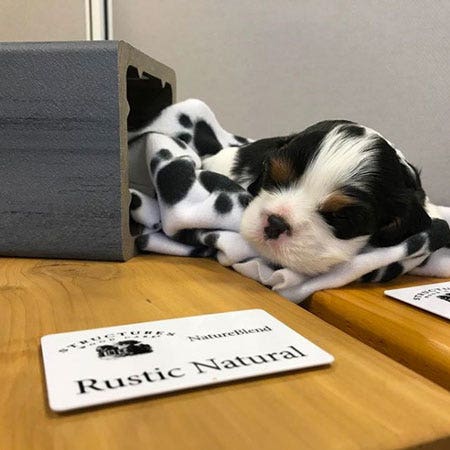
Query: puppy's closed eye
x=346 y=214
x=337 y=210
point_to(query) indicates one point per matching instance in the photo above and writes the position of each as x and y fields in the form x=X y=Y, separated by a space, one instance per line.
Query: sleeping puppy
x=323 y=194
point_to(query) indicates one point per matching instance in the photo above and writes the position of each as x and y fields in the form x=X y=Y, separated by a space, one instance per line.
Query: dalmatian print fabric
x=185 y=210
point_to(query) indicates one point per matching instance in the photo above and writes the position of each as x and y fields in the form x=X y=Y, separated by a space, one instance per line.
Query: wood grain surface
x=417 y=339
x=363 y=401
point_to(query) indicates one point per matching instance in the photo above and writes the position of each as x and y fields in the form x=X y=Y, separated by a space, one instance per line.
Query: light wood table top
x=417 y=339
x=364 y=400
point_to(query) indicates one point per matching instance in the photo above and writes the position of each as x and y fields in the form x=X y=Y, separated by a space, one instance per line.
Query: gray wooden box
x=65 y=108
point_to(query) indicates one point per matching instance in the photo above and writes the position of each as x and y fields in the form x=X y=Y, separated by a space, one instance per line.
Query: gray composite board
x=63 y=147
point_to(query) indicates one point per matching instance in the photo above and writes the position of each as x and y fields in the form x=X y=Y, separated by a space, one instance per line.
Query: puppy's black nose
x=277 y=225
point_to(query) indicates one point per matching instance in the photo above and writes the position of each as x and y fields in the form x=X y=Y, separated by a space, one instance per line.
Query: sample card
x=434 y=298
x=91 y=367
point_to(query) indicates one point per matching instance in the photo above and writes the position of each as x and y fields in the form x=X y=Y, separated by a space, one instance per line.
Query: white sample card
x=434 y=298
x=102 y=365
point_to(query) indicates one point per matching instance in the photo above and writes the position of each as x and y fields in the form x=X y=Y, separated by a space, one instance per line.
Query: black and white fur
x=378 y=196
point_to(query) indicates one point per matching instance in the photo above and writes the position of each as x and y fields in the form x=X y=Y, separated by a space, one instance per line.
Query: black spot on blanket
x=216 y=182
x=188 y=236
x=142 y=241
x=154 y=164
x=244 y=200
x=136 y=202
x=192 y=237
x=205 y=139
x=241 y=140
x=415 y=243
x=184 y=137
x=175 y=180
x=392 y=271
x=211 y=239
x=223 y=204
x=164 y=153
x=185 y=121
x=369 y=277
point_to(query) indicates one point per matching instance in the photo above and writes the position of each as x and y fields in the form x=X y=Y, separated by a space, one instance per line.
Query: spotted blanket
x=185 y=210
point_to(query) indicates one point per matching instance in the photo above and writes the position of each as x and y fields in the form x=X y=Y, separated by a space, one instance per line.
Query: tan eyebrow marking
x=281 y=171
x=336 y=201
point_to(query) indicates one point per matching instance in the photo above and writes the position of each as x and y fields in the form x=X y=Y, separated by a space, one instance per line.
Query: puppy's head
x=323 y=194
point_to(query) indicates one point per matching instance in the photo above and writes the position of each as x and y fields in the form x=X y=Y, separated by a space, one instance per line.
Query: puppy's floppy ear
x=256 y=155
x=256 y=186
x=410 y=218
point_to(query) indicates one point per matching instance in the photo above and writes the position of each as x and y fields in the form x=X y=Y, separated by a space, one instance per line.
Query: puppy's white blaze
x=339 y=160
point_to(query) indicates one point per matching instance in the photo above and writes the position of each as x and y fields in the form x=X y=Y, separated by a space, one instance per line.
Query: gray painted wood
x=63 y=148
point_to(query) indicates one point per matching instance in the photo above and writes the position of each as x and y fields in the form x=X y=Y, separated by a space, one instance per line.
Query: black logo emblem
x=445 y=297
x=122 y=348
